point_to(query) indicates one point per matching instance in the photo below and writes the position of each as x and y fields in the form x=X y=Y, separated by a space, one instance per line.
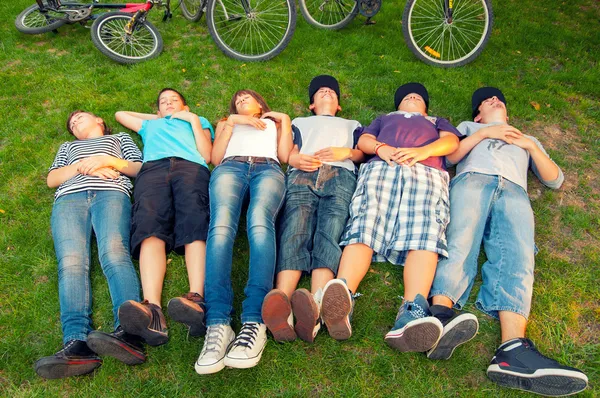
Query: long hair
x=105 y=129
x=255 y=95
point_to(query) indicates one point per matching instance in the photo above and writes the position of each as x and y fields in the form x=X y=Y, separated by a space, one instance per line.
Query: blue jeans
x=313 y=219
x=489 y=209
x=74 y=216
x=230 y=184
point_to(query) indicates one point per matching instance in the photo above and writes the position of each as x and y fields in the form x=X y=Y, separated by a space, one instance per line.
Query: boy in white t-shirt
x=320 y=183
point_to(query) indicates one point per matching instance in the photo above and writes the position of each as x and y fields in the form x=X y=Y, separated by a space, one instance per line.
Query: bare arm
x=303 y=162
x=447 y=143
x=222 y=137
x=62 y=174
x=547 y=169
x=133 y=120
x=503 y=132
x=89 y=165
x=284 y=133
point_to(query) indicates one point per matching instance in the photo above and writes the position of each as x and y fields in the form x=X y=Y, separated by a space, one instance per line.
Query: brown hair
x=106 y=130
x=255 y=95
x=173 y=90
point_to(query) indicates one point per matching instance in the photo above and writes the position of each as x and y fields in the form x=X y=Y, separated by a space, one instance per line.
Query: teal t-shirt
x=166 y=137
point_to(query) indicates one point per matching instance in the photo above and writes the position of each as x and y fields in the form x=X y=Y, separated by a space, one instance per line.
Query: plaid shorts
x=397 y=209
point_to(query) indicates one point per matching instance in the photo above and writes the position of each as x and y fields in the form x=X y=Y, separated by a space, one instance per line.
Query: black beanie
x=323 y=81
x=409 y=88
x=483 y=93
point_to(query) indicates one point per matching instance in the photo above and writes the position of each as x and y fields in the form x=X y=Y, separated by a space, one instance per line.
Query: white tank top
x=247 y=140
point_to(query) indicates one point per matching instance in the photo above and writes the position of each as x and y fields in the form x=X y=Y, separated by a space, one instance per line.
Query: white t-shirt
x=247 y=140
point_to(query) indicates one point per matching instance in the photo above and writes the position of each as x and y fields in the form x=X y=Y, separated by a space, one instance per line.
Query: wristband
x=377 y=147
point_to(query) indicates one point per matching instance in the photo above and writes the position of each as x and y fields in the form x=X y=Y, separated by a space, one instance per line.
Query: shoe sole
x=54 y=368
x=136 y=321
x=306 y=312
x=181 y=311
x=336 y=307
x=462 y=329
x=556 y=383
x=210 y=369
x=275 y=313
x=106 y=345
x=417 y=336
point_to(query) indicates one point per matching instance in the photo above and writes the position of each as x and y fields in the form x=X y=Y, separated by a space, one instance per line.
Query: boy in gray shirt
x=320 y=183
x=489 y=204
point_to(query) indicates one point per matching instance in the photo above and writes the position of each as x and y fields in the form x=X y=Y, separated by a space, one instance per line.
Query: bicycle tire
x=229 y=27
x=108 y=35
x=324 y=16
x=192 y=10
x=472 y=22
x=31 y=16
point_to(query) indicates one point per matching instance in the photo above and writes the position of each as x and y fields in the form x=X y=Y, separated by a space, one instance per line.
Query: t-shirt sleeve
x=296 y=136
x=553 y=184
x=61 y=158
x=463 y=128
x=206 y=125
x=356 y=135
x=373 y=128
x=444 y=125
x=129 y=150
x=142 y=131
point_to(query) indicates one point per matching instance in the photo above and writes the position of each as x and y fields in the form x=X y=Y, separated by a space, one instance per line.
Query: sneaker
x=415 y=330
x=248 y=346
x=216 y=344
x=189 y=310
x=73 y=360
x=518 y=364
x=123 y=346
x=458 y=329
x=145 y=320
x=306 y=309
x=277 y=315
x=336 y=309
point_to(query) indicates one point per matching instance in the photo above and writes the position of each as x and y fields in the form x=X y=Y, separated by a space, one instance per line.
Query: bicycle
x=446 y=33
x=241 y=30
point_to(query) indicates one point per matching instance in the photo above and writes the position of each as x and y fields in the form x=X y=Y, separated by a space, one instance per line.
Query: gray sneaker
x=216 y=344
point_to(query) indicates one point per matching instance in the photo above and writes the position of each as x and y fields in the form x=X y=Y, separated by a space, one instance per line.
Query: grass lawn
x=540 y=53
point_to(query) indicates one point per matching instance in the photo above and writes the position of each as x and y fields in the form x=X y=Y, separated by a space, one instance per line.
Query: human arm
x=369 y=145
x=201 y=135
x=284 y=134
x=303 y=162
x=336 y=154
x=502 y=132
x=62 y=174
x=446 y=144
x=545 y=169
x=133 y=120
x=90 y=165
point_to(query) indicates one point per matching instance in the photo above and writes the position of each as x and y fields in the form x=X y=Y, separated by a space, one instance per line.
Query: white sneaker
x=248 y=346
x=216 y=343
x=307 y=308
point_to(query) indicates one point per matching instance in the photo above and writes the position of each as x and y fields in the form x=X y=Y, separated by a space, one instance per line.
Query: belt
x=251 y=159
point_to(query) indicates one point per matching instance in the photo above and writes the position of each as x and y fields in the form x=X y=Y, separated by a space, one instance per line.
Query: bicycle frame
x=124 y=7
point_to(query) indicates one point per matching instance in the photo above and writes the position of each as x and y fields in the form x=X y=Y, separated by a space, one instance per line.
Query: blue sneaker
x=415 y=329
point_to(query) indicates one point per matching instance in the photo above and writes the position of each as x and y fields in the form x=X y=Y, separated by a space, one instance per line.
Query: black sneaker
x=189 y=310
x=123 y=346
x=145 y=320
x=73 y=360
x=458 y=329
x=518 y=364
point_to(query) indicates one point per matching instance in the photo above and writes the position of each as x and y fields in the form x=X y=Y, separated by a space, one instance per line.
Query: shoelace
x=213 y=339
x=247 y=335
x=66 y=347
x=414 y=309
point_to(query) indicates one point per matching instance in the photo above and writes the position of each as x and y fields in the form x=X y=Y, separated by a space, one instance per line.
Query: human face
x=491 y=108
x=246 y=104
x=86 y=125
x=325 y=102
x=413 y=102
x=169 y=103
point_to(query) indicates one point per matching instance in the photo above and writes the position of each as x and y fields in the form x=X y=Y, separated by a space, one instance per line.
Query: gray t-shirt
x=314 y=133
x=496 y=157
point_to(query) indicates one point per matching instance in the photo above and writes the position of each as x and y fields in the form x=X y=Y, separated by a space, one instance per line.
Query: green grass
x=539 y=51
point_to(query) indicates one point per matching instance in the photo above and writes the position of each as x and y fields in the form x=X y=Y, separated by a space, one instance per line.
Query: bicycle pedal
x=370 y=22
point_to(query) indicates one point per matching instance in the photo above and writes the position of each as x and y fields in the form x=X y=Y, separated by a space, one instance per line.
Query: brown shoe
x=145 y=320
x=276 y=314
x=189 y=309
x=306 y=311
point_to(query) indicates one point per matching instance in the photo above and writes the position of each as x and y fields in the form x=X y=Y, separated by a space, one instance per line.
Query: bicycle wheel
x=447 y=43
x=32 y=21
x=251 y=30
x=193 y=10
x=328 y=14
x=108 y=35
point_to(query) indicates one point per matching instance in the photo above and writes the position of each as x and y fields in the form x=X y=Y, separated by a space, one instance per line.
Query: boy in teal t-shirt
x=170 y=212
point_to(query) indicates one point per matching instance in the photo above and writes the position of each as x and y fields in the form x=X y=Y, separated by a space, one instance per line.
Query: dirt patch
x=587 y=328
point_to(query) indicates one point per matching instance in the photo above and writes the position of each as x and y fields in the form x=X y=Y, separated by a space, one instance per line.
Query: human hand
x=186 y=116
x=410 y=156
x=248 y=120
x=504 y=132
x=524 y=142
x=106 y=173
x=333 y=154
x=385 y=152
x=89 y=165
x=305 y=162
x=277 y=116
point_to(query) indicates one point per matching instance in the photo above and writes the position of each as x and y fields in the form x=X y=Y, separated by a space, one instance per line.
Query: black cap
x=483 y=93
x=409 y=88
x=323 y=81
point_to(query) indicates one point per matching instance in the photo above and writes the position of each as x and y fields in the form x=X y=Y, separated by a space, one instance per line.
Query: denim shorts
x=313 y=218
x=492 y=210
x=170 y=203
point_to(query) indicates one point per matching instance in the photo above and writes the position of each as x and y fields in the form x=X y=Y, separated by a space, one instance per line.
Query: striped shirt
x=119 y=145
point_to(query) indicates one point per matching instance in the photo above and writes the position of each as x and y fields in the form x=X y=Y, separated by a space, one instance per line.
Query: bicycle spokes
x=138 y=43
